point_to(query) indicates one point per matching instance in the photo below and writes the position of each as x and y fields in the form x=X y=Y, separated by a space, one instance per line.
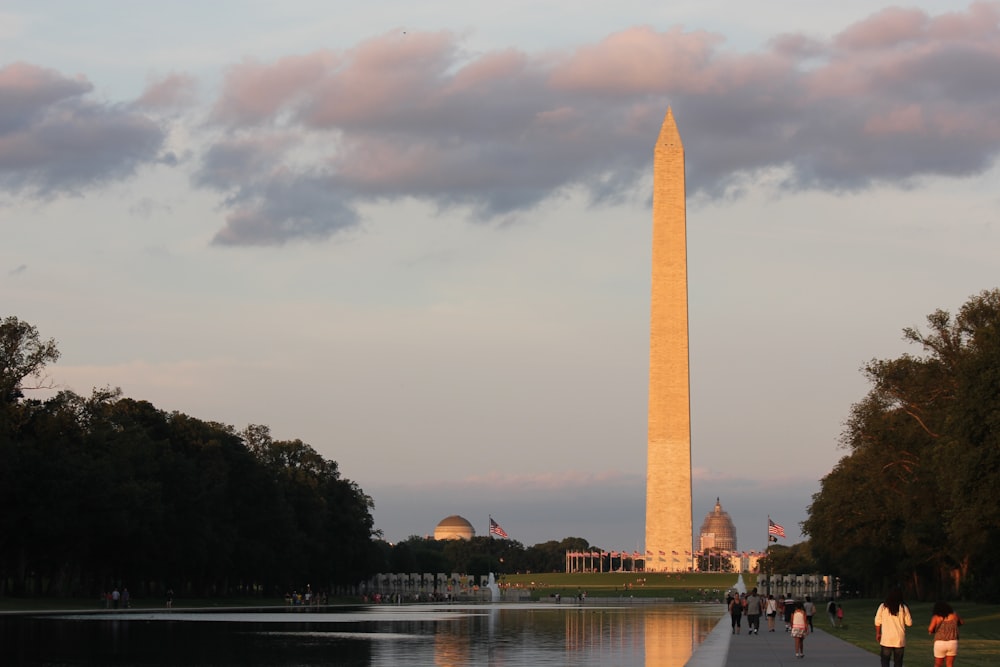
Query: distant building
x=454 y=527
x=718 y=533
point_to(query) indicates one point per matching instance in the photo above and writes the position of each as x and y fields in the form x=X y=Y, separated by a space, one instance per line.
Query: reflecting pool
x=593 y=633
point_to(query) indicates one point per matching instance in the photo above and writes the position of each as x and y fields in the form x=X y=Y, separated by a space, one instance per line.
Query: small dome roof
x=454 y=527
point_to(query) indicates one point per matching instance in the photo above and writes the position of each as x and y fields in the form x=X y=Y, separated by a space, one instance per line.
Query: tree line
x=479 y=555
x=914 y=501
x=106 y=491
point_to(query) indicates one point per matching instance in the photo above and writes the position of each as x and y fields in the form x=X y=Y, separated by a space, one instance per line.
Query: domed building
x=718 y=532
x=454 y=527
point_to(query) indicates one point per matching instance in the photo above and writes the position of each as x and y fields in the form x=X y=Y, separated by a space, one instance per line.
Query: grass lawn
x=683 y=587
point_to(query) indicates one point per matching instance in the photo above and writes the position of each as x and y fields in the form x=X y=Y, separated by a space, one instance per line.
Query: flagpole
x=767 y=555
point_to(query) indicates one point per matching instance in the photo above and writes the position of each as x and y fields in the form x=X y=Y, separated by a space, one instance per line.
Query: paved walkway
x=722 y=648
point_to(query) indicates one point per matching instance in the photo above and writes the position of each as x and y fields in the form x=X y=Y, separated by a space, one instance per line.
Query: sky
x=416 y=236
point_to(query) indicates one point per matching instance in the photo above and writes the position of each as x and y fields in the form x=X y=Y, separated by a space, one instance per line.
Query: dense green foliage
x=794 y=558
x=913 y=502
x=108 y=491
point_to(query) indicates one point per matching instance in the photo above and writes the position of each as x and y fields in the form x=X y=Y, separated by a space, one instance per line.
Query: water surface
x=528 y=634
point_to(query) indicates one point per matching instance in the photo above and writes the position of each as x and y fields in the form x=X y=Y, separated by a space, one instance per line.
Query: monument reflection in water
x=595 y=633
x=641 y=635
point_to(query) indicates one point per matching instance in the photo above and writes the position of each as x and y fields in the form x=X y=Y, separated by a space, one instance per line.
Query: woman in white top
x=771 y=610
x=891 y=621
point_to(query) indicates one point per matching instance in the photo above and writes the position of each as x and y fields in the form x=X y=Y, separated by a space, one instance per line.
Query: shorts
x=798 y=632
x=942 y=649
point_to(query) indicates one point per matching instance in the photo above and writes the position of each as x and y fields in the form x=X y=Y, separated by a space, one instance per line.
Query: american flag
x=774 y=529
x=495 y=529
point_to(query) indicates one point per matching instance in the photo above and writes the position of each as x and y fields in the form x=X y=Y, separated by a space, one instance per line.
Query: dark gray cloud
x=278 y=208
x=54 y=139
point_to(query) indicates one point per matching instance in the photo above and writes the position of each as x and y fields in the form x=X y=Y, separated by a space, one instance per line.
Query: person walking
x=944 y=627
x=831 y=611
x=800 y=628
x=736 y=613
x=891 y=621
x=772 y=611
x=789 y=607
x=753 y=613
x=810 y=611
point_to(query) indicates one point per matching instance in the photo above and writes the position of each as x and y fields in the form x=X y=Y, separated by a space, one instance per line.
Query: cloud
x=55 y=140
x=893 y=98
x=297 y=147
x=170 y=92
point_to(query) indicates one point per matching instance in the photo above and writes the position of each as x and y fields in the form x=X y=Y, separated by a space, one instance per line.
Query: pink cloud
x=507 y=65
x=24 y=79
x=889 y=27
x=174 y=90
x=383 y=77
x=904 y=52
x=254 y=92
x=27 y=91
x=415 y=115
x=797 y=46
x=640 y=60
x=905 y=120
x=979 y=22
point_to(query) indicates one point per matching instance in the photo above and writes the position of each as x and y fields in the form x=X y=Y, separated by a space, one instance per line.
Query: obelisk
x=668 y=459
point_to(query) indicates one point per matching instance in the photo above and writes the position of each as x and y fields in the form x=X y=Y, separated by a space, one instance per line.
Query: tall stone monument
x=669 y=537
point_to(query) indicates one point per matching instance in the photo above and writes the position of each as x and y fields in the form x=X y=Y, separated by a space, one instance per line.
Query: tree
x=22 y=355
x=794 y=559
x=910 y=503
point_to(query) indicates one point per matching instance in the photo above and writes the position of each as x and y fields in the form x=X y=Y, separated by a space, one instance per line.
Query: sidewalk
x=722 y=648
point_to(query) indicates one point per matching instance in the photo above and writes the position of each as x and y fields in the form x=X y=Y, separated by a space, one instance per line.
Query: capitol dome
x=454 y=527
x=717 y=531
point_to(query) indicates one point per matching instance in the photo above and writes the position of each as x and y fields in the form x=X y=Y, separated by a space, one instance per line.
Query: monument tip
x=669 y=135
